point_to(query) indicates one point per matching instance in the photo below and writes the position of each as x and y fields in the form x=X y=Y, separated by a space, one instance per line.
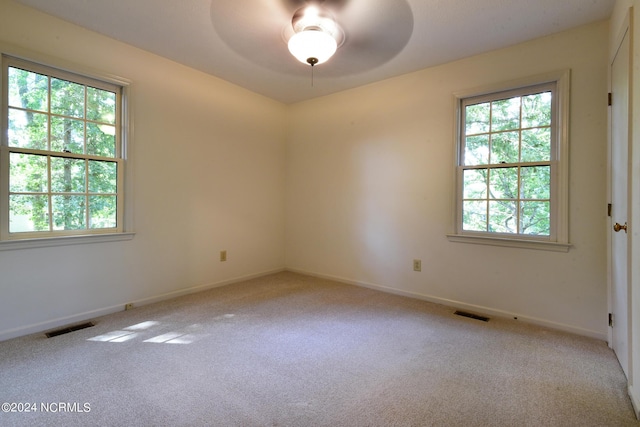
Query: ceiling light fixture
x=317 y=35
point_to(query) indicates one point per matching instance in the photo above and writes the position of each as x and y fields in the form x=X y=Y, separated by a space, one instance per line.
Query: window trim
x=37 y=62
x=560 y=210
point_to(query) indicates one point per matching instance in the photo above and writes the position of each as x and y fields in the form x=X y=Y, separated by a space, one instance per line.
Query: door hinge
x=609 y=209
x=609 y=99
x=610 y=320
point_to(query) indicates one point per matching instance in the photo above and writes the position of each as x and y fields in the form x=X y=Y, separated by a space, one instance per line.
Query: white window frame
x=559 y=212
x=124 y=228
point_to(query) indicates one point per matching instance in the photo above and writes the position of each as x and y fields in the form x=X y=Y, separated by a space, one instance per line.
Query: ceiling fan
x=358 y=35
x=316 y=34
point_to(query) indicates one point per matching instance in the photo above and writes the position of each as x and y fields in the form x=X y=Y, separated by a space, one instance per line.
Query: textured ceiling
x=242 y=41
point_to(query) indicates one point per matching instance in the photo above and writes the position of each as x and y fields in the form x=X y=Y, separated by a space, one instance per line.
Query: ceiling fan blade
x=375 y=32
x=333 y=5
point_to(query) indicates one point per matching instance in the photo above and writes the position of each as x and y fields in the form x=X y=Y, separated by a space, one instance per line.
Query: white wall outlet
x=417 y=265
x=223 y=256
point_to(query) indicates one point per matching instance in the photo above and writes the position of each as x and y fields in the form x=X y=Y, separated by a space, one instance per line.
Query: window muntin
x=507 y=164
x=62 y=153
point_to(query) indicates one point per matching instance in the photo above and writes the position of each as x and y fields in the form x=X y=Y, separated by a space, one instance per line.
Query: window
x=62 y=160
x=511 y=171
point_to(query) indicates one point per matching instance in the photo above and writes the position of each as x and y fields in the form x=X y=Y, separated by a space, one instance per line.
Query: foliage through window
x=62 y=153
x=508 y=160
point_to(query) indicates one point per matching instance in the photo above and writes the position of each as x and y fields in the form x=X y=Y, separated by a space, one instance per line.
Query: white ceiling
x=241 y=41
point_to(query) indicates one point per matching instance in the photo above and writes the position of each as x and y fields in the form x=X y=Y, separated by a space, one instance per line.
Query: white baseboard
x=80 y=317
x=634 y=401
x=461 y=305
x=200 y=288
x=55 y=323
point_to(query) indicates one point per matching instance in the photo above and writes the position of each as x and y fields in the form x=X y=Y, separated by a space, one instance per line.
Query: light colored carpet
x=292 y=350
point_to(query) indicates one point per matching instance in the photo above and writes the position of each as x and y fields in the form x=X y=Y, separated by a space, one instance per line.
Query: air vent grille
x=68 y=329
x=471 y=316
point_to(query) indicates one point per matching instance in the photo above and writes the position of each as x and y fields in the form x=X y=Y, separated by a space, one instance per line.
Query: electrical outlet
x=417 y=265
x=128 y=306
x=223 y=256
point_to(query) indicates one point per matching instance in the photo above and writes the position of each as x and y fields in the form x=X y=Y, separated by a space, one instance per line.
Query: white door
x=619 y=184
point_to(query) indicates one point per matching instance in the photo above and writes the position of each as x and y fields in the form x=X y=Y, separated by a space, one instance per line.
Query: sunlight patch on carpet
x=144 y=330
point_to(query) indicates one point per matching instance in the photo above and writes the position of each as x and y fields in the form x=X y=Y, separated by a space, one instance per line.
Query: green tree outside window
x=63 y=166
x=506 y=162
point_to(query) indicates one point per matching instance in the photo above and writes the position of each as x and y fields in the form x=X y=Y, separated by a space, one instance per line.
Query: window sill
x=64 y=241
x=511 y=243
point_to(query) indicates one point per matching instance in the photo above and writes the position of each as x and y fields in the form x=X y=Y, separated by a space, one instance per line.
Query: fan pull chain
x=312 y=61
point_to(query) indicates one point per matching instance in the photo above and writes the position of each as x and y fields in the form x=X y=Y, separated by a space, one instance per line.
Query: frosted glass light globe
x=312 y=46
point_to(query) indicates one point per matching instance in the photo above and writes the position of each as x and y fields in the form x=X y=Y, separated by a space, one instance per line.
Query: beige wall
x=370 y=187
x=209 y=175
x=362 y=179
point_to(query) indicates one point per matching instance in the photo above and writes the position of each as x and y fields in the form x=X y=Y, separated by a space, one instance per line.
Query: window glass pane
x=476 y=150
x=67 y=175
x=503 y=183
x=101 y=105
x=477 y=118
x=506 y=156
x=48 y=115
x=101 y=140
x=27 y=89
x=28 y=173
x=102 y=211
x=68 y=212
x=535 y=218
x=505 y=114
x=474 y=216
x=67 y=98
x=536 y=145
x=27 y=129
x=505 y=147
x=475 y=184
x=67 y=135
x=103 y=177
x=535 y=182
x=503 y=217
x=28 y=213
x=536 y=110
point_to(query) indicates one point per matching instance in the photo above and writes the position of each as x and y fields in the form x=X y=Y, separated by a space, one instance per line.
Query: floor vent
x=68 y=329
x=471 y=316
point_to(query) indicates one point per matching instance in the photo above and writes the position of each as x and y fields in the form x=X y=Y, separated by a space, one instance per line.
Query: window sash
x=6 y=151
x=558 y=82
